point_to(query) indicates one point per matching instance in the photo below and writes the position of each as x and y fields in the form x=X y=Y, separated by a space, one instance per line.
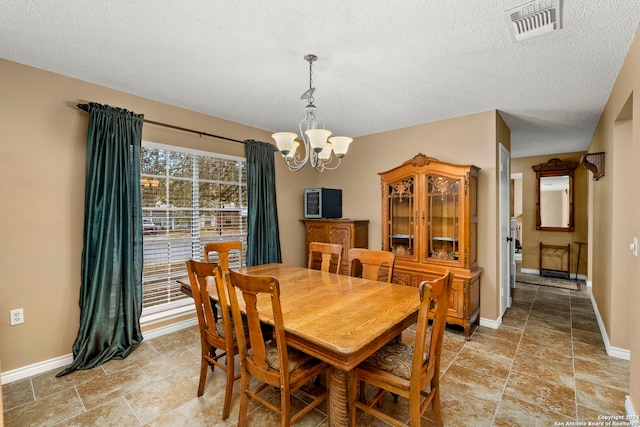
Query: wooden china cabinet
x=346 y=232
x=430 y=221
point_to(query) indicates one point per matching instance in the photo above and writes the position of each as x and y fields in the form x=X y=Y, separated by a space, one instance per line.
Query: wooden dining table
x=339 y=319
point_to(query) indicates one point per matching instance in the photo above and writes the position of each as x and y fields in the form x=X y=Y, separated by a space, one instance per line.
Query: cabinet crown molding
x=420 y=160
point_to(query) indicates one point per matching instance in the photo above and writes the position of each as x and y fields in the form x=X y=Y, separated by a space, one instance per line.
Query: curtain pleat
x=112 y=257
x=263 y=237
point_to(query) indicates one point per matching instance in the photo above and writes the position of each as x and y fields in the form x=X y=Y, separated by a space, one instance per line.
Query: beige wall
x=614 y=204
x=42 y=158
x=531 y=237
x=465 y=140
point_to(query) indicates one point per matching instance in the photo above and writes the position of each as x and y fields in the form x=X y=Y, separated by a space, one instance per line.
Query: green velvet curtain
x=263 y=237
x=111 y=286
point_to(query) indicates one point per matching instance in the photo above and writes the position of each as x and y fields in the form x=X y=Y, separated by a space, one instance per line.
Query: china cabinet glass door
x=401 y=200
x=443 y=221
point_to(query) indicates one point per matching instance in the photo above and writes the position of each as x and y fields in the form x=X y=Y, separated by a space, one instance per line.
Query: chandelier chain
x=310 y=99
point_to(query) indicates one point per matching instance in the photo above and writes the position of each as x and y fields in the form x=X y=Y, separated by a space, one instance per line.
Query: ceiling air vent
x=534 y=18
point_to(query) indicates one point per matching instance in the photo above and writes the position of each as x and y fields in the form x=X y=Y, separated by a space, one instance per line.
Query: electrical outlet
x=17 y=316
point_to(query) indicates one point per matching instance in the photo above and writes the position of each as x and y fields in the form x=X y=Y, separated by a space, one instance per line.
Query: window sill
x=162 y=316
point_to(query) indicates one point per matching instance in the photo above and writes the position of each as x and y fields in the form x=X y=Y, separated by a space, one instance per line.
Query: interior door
x=512 y=253
x=505 y=235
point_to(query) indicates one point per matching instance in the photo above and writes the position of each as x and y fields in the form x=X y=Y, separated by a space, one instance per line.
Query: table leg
x=338 y=400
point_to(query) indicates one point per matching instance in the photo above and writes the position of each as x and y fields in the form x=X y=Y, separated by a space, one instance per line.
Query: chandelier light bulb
x=340 y=145
x=292 y=153
x=325 y=154
x=285 y=141
x=318 y=138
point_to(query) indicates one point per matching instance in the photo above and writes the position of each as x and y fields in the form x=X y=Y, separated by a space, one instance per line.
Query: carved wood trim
x=595 y=163
x=420 y=160
x=554 y=165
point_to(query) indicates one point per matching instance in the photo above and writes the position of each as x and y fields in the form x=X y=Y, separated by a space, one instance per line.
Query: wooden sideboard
x=346 y=232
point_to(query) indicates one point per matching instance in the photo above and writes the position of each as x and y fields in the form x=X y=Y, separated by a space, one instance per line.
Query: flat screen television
x=322 y=203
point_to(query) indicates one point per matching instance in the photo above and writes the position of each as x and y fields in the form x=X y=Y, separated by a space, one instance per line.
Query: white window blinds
x=189 y=198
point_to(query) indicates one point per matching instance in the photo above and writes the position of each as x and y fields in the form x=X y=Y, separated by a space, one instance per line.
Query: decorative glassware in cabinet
x=443 y=228
x=401 y=217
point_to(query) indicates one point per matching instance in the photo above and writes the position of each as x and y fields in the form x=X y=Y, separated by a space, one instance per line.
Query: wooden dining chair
x=373 y=262
x=223 y=249
x=221 y=257
x=272 y=363
x=406 y=370
x=216 y=331
x=222 y=252
x=326 y=256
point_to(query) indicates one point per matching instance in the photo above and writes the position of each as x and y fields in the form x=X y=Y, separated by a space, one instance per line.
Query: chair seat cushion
x=296 y=358
x=220 y=329
x=395 y=358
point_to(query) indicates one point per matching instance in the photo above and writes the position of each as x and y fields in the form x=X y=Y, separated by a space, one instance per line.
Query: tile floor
x=546 y=364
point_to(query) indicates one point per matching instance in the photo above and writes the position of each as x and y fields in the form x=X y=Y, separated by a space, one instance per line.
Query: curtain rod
x=87 y=108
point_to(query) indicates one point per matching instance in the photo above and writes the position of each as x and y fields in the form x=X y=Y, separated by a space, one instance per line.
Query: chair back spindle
x=373 y=262
x=329 y=256
x=224 y=251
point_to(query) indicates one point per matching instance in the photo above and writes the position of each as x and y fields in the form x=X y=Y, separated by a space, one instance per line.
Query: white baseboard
x=617 y=352
x=63 y=361
x=537 y=273
x=631 y=413
x=489 y=323
x=36 y=368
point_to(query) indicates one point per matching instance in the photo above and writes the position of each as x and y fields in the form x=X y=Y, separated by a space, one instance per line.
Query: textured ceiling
x=382 y=64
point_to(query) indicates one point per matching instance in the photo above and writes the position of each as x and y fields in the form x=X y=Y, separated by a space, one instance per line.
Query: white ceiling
x=382 y=64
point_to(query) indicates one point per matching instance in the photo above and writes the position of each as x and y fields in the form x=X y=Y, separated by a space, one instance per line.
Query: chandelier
x=320 y=151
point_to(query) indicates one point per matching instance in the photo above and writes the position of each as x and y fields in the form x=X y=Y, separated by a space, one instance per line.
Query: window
x=189 y=198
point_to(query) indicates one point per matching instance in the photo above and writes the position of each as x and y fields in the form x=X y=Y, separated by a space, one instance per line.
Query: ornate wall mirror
x=554 y=195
